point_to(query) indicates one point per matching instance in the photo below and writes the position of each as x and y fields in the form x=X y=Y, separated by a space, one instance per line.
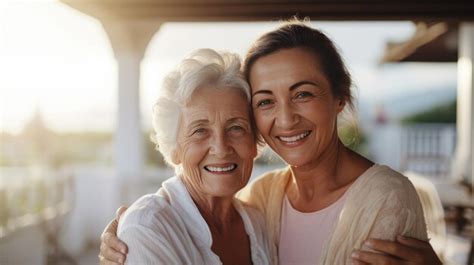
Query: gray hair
x=202 y=67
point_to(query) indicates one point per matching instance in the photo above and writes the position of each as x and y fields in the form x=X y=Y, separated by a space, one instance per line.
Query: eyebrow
x=197 y=122
x=292 y=87
x=237 y=119
x=262 y=92
x=304 y=82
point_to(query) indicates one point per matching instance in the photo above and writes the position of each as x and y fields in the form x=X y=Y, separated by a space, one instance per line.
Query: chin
x=229 y=191
x=294 y=160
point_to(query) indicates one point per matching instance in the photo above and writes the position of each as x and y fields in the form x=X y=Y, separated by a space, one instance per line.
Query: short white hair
x=203 y=67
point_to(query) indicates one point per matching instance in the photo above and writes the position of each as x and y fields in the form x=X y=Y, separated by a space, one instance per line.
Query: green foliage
x=445 y=113
x=153 y=156
x=4 y=211
x=353 y=137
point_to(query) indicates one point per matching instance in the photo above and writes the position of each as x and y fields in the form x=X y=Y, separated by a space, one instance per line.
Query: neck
x=320 y=177
x=218 y=212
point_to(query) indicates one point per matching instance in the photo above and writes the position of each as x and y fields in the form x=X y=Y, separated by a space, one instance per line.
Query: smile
x=221 y=169
x=295 y=138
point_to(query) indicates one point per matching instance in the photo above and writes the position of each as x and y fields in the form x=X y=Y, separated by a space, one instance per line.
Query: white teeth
x=294 y=138
x=221 y=169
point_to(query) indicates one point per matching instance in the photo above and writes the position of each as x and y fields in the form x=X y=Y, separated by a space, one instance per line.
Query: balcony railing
x=31 y=200
x=427 y=149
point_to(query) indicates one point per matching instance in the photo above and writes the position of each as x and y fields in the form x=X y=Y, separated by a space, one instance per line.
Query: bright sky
x=58 y=60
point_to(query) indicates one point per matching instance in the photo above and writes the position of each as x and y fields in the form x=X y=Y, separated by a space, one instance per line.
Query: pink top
x=303 y=235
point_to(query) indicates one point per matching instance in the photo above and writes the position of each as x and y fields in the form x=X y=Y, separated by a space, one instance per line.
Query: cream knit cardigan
x=381 y=204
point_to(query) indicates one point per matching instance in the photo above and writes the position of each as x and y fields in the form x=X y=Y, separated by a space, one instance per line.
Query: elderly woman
x=194 y=218
x=329 y=200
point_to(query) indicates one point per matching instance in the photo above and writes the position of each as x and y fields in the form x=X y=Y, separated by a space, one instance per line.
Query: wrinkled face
x=216 y=147
x=293 y=105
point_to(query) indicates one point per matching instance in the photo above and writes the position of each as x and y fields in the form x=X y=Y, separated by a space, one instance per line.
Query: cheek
x=245 y=148
x=263 y=122
x=320 y=113
x=325 y=122
x=249 y=153
x=192 y=155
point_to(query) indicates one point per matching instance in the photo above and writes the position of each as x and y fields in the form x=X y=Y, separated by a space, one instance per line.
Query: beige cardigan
x=381 y=204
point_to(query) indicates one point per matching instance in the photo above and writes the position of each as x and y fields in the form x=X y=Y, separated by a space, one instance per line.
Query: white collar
x=180 y=199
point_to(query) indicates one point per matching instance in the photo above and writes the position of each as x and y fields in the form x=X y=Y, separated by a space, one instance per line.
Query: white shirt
x=167 y=228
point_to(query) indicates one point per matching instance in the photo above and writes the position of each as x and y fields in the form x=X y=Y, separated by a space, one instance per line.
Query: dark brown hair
x=296 y=34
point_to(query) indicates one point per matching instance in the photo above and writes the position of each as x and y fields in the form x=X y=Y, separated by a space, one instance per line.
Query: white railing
x=427 y=149
x=28 y=199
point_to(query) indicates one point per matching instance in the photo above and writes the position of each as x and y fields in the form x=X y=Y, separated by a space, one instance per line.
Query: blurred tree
x=445 y=113
x=153 y=156
x=353 y=137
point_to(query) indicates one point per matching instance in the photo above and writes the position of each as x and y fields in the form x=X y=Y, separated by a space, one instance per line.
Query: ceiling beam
x=265 y=10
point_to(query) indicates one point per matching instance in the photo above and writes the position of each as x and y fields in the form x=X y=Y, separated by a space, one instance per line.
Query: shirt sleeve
x=148 y=247
x=155 y=234
x=401 y=214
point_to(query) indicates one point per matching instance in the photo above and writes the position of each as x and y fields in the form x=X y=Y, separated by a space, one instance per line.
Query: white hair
x=202 y=67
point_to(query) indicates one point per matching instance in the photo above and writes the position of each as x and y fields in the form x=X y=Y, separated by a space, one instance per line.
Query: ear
x=341 y=103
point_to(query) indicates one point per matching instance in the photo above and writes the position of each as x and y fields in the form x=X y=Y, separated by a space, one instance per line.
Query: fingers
x=113 y=242
x=413 y=242
x=392 y=248
x=103 y=261
x=366 y=257
x=358 y=262
x=408 y=250
x=110 y=256
x=425 y=252
x=120 y=211
x=111 y=228
x=112 y=250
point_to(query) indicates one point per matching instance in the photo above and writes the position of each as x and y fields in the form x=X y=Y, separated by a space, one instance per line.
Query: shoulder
x=258 y=232
x=383 y=186
x=258 y=191
x=383 y=179
x=266 y=192
x=150 y=211
x=255 y=216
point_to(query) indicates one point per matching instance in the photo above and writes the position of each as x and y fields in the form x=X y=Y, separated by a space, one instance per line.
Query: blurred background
x=78 y=80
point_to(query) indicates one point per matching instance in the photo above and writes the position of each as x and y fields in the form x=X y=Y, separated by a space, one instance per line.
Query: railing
x=32 y=200
x=427 y=149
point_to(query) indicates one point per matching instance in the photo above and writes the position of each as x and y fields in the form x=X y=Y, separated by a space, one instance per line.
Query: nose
x=220 y=145
x=286 y=117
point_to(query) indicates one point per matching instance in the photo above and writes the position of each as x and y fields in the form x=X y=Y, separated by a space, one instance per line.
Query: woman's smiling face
x=216 y=145
x=294 y=107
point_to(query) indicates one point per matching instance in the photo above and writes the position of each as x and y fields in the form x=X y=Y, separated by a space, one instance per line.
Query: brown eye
x=237 y=128
x=263 y=103
x=199 y=131
x=303 y=94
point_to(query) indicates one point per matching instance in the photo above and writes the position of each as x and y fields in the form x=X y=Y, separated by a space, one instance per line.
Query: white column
x=462 y=166
x=128 y=140
x=129 y=39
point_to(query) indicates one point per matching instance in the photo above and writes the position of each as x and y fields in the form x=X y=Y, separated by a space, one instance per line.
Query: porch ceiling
x=431 y=42
x=264 y=10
